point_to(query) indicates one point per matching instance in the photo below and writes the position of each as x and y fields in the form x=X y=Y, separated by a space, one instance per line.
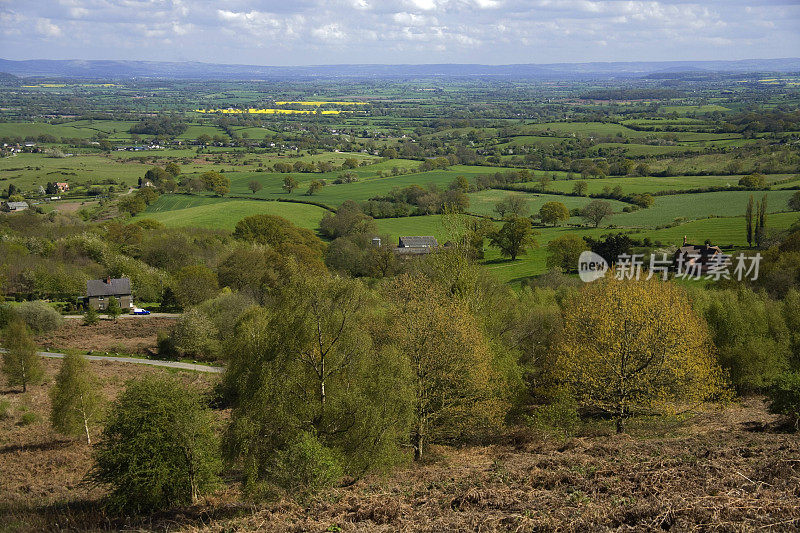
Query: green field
x=694 y=206
x=483 y=202
x=174 y=210
x=651 y=184
x=81 y=129
x=333 y=195
x=684 y=109
x=721 y=231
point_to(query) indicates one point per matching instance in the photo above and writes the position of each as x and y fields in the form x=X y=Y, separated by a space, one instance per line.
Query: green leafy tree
x=157 y=175
x=794 y=201
x=195 y=284
x=215 y=182
x=90 y=317
x=172 y=169
x=195 y=335
x=460 y=183
x=761 y=221
x=580 y=188
x=563 y=252
x=254 y=186
x=596 y=211
x=277 y=232
x=349 y=219
x=113 y=309
x=784 y=397
x=290 y=184
x=315 y=187
x=158 y=448
x=457 y=390
x=21 y=364
x=306 y=378
x=753 y=181
x=75 y=399
x=544 y=181
x=553 y=213
x=514 y=238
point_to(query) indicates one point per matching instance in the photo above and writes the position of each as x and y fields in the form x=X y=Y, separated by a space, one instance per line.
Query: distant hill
x=196 y=70
x=8 y=80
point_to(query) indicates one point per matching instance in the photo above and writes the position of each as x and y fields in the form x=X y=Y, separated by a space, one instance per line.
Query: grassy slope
x=483 y=202
x=694 y=206
x=368 y=187
x=223 y=213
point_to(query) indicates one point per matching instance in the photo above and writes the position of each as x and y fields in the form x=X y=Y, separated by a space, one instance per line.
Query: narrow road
x=152 y=362
x=130 y=316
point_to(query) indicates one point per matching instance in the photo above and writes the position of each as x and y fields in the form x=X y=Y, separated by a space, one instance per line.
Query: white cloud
x=394 y=31
x=47 y=28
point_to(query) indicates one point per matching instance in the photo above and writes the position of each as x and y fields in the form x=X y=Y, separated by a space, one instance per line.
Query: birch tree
x=76 y=404
x=21 y=364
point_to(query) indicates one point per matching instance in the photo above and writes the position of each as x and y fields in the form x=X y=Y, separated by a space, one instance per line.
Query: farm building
x=98 y=291
x=697 y=258
x=13 y=207
x=63 y=186
x=417 y=245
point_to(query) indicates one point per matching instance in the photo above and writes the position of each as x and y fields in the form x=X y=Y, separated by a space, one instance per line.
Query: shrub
x=27 y=419
x=560 y=417
x=784 y=397
x=195 y=335
x=306 y=465
x=5 y=407
x=158 y=449
x=39 y=316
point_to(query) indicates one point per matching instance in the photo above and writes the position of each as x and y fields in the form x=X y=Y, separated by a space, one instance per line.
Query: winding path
x=152 y=362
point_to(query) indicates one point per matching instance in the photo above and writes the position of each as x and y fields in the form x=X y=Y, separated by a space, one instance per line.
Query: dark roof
x=418 y=242
x=113 y=287
x=703 y=250
x=17 y=205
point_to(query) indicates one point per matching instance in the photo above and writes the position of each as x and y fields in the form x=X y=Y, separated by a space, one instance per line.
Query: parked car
x=138 y=311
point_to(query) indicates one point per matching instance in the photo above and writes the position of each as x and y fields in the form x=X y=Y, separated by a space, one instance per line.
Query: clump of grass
x=27 y=419
x=5 y=407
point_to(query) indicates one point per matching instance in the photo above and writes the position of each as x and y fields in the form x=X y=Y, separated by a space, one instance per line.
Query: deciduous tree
x=596 y=211
x=456 y=389
x=21 y=364
x=158 y=448
x=514 y=238
x=563 y=252
x=76 y=405
x=636 y=344
x=553 y=213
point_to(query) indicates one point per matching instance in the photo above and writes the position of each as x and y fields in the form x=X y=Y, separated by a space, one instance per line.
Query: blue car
x=137 y=311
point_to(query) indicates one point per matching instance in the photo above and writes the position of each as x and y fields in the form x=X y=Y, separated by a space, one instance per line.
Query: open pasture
x=333 y=195
x=223 y=213
x=694 y=206
x=483 y=202
x=651 y=184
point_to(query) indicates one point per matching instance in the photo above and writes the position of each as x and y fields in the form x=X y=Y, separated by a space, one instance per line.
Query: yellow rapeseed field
x=317 y=104
x=270 y=111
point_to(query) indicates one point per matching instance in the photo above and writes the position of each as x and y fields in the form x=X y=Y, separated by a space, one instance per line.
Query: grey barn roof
x=115 y=287
x=17 y=205
x=418 y=242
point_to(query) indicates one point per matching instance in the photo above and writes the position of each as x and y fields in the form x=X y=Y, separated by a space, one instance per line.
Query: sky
x=316 y=32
